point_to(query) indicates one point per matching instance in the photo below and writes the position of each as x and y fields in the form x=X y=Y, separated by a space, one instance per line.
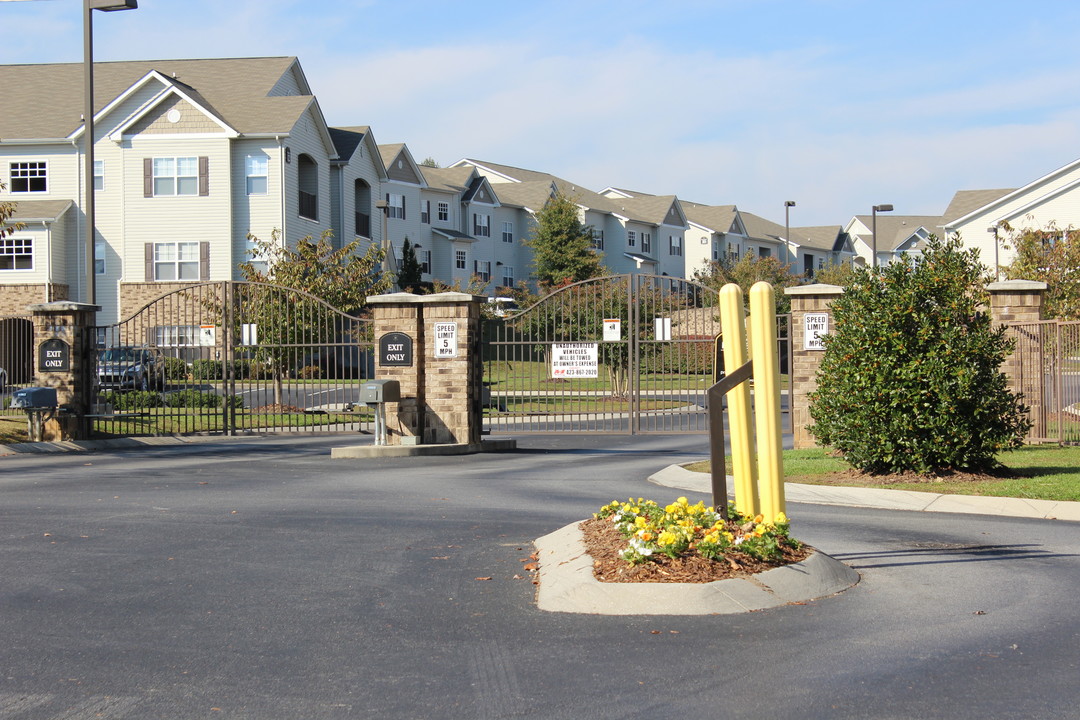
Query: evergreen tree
x=562 y=244
x=409 y=272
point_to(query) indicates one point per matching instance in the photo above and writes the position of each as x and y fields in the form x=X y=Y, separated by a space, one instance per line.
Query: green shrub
x=128 y=401
x=910 y=378
x=175 y=369
x=206 y=370
x=192 y=398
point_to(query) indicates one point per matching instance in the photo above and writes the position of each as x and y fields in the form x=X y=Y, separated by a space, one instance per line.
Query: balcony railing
x=309 y=206
x=363 y=225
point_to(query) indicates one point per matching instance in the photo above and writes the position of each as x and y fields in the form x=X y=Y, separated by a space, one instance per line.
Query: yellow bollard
x=767 y=400
x=743 y=468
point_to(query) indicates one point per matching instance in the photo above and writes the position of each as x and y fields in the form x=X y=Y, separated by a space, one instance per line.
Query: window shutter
x=204 y=175
x=402 y=207
x=148 y=261
x=148 y=177
x=204 y=260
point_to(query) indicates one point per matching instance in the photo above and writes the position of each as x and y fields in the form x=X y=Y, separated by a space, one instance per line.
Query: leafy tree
x=562 y=244
x=840 y=274
x=409 y=273
x=429 y=162
x=1052 y=256
x=340 y=280
x=7 y=211
x=910 y=379
x=747 y=271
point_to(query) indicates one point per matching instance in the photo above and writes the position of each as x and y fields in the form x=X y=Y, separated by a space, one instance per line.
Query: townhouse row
x=193 y=158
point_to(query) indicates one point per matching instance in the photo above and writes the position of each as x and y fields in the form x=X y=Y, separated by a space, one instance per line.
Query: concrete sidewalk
x=675 y=476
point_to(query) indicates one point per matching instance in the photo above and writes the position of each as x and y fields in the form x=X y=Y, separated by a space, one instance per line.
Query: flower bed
x=639 y=541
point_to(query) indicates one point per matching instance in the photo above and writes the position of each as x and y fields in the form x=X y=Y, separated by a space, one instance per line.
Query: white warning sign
x=574 y=360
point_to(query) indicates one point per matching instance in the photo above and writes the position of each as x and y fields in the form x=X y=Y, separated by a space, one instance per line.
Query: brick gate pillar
x=441 y=387
x=811 y=318
x=64 y=359
x=1021 y=301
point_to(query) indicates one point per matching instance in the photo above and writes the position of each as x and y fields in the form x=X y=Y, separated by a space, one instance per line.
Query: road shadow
x=943 y=554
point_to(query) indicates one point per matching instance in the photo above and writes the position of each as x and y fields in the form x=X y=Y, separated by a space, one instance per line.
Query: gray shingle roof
x=347 y=139
x=45 y=101
x=717 y=218
x=39 y=210
x=968 y=201
x=894 y=230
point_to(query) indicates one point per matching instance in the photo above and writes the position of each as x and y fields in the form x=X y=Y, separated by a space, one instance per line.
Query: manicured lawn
x=1044 y=472
x=12 y=430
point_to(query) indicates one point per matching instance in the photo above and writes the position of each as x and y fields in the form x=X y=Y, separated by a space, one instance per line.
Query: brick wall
x=15 y=298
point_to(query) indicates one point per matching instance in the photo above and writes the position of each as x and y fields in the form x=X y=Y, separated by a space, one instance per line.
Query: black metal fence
x=232 y=357
x=1045 y=367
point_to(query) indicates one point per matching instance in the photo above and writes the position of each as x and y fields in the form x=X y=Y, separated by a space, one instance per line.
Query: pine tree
x=562 y=244
x=409 y=271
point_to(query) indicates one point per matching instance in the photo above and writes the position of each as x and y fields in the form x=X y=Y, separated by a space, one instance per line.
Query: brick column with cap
x=441 y=388
x=811 y=317
x=65 y=329
x=1018 y=304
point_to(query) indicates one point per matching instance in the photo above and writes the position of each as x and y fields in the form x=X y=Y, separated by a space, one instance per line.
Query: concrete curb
x=677 y=477
x=377 y=451
x=567 y=585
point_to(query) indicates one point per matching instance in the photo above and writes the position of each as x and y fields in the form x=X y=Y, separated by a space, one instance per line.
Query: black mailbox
x=380 y=391
x=34 y=397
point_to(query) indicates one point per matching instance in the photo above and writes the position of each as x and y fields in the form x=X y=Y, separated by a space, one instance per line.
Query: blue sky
x=836 y=104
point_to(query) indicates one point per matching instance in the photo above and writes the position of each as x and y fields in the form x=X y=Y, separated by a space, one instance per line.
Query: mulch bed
x=848 y=477
x=603 y=543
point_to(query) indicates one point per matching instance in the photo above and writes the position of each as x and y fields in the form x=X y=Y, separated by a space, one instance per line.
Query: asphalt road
x=260 y=579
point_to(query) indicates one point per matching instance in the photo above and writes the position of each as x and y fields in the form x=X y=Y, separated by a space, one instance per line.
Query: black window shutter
x=148 y=177
x=148 y=261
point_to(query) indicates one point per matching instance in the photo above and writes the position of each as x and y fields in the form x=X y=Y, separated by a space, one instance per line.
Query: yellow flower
x=759 y=530
x=712 y=538
x=666 y=538
x=759 y=518
x=781 y=518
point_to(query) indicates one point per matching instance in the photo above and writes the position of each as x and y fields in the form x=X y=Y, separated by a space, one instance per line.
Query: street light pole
x=873 y=229
x=997 y=266
x=788 y=204
x=88 y=127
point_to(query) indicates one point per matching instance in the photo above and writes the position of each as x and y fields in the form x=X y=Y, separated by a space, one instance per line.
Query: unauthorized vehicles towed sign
x=574 y=360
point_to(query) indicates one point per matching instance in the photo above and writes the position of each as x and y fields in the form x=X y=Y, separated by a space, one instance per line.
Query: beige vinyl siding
x=259 y=215
x=192 y=218
x=305 y=139
x=287 y=84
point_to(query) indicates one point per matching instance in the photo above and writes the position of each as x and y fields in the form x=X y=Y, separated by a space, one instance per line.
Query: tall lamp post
x=88 y=125
x=997 y=266
x=873 y=229
x=788 y=204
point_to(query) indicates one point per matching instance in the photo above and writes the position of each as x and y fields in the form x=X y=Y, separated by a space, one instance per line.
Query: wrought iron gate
x=1045 y=367
x=621 y=354
x=230 y=357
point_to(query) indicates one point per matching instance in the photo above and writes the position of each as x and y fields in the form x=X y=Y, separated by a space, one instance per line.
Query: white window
x=425 y=261
x=598 y=239
x=29 y=177
x=17 y=254
x=425 y=212
x=481 y=225
x=176 y=261
x=459 y=259
x=482 y=269
x=508 y=276
x=257 y=168
x=176 y=335
x=99 y=257
x=631 y=238
x=99 y=174
x=508 y=232
x=646 y=242
x=444 y=212
x=395 y=206
x=176 y=176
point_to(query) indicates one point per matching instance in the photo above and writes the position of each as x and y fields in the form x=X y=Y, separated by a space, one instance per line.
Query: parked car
x=138 y=368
